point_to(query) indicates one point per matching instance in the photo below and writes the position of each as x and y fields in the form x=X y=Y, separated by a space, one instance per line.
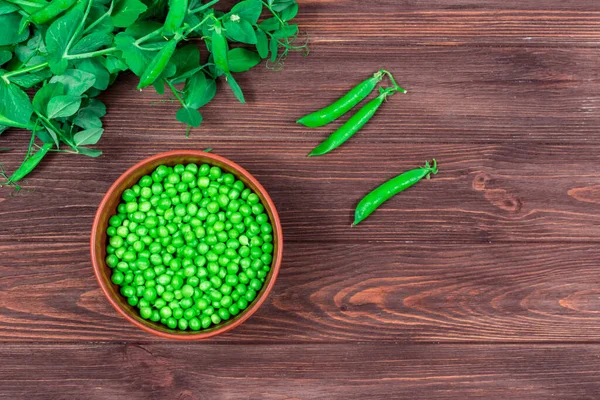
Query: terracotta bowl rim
x=98 y=265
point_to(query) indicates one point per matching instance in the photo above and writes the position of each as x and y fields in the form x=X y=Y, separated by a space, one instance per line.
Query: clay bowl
x=108 y=208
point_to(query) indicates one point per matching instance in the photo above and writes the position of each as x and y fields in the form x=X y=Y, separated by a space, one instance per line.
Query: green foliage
x=81 y=46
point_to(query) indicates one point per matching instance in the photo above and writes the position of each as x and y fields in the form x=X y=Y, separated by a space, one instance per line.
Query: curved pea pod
x=390 y=188
x=158 y=64
x=343 y=105
x=51 y=11
x=353 y=125
x=30 y=163
x=175 y=16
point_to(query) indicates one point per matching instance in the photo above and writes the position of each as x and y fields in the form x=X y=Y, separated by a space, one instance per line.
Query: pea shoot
x=187 y=256
x=67 y=52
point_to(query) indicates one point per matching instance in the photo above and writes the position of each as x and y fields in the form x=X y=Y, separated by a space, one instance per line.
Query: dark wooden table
x=482 y=283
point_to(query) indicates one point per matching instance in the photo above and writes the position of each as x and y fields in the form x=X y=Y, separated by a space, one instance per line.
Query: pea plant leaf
x=75 y=81
x=262 y=43
x=126 y=12
x=189 y=116
x=237 y=91
x=199 y=90
x=113 y=64
x=31 y=79
x=5 y=56
x=274 y=48
x=89 y=116
x=63 y=106
x=89 y=152
x=44 y=94
x=248 y=10
x=270 y=24
x=186 y=61
x=240 y=31
x=241 y=59
x=136 y=59
x=87 y=136
x=10 y=29
x=280 y=5
x=7 y=8
x=142 y=28
x=286 y=31
x=34 y=46
x=99 y=17
x=58 y=36
x=15 y=107
x=290 y=12
x=93 y=66
x=91 y=42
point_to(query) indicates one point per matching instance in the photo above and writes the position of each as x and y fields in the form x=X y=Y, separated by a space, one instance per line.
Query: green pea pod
x=353 y=125
x=343 y=105
x=390 y=188
x=175 y=16
x=158 y=64
x=51 y=11
x=220 y=48
x=29 y=164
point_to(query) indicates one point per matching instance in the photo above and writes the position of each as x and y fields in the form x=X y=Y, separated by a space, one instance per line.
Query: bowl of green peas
x=186 y=245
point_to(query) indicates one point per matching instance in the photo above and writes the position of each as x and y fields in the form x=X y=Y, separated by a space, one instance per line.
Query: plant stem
x=175 y=91
x=106 y=14
x=23 y=71
x=148 y=36
x=282 y=22
x=91 y=54
x=203 y=7
x=49 y=125
x=201 y=22
x=79 y=28
x=398 y=88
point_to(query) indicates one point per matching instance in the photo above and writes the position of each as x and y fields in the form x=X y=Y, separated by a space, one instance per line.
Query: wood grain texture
x=339 y=371
x=335 y=292
x=483 y=193
x=496 y=257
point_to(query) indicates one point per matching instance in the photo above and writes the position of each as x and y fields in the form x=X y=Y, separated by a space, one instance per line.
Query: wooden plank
x=336 y=371
x=332 y=292
x=483 y=193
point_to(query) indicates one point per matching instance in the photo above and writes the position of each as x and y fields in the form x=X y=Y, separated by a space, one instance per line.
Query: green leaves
x=78 y=51
x=126 y=12
x=58 y=37
x=189 y=116
x=89 y=116
x=63 y=106
x=87 y=136
x=241 y=59
x=240 y=30
x=93 y=66
x=237 y=91
x=262 y=44
x=76 y=82
x=91 y=42
x=199 y=90
x=15 y=108
x=5 y=56
x=248 y=10
x=136 y=59
x=10 y=29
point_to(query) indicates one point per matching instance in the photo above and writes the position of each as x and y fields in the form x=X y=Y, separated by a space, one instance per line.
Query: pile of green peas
x=190 y=246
